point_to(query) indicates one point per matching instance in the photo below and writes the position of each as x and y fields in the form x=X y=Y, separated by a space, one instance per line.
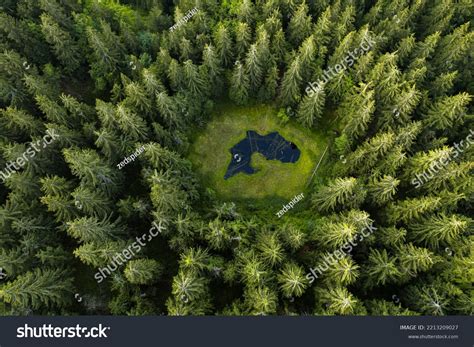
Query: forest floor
x=274 y=180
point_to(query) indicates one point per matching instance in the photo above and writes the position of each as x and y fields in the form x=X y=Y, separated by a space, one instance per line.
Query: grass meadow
x=211 y=156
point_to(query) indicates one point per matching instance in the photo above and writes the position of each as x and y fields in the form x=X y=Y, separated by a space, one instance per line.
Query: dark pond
x=272 y=146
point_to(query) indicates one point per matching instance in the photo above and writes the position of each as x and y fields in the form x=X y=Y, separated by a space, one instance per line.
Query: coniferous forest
x=117 y=125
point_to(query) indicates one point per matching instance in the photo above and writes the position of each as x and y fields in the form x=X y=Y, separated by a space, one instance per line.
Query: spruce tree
x=39 y=287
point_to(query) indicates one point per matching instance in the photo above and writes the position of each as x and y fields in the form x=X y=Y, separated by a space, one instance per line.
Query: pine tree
x=357 y=110
x=91 y=229
x=434 y=298
x=344 y=24
x=223 y=43
x=39 y=288
x=413 y=260
x=21 y=121
x=392 y=236
x=254 y=68
x=188 y=286
x=91 y=202
x=344 y=271
x=339 y=300
x=383 y=190
x=99 y=254
x=194 y=259
x=252 y=269
x=14 y=261
x=426 y=164
x=453 y=47
x=246 y=11
x=262 y=300
x=130 y=123
x=448 y=111
x=243 y=38
x=300 y=24
x=12 y=90
x=56 y=196
x=142 y=271
x=64 y=46
x=408 y=209
x=443 y=83
x=167 y=108
x=292 y=280
x=194 y=80
x=279 y=45
x=53 y=111
x=439 y=229
x=292 y=236
x=269 y=88
x=307 y=53
x=56 y=11
x=175 y=75
x=270 y=248
x=214 y=70
x=333 y=235
x=137 y=97
x=107 y=53
x=381 y=268
x=312 y=106
x=239 y=85
x=290 y=85
x=341 y=191
x=88 y=166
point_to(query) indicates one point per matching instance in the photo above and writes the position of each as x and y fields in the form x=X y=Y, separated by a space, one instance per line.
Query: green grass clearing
x=210 y=154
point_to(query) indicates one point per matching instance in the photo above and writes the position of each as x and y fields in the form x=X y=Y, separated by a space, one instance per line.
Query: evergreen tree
x=262 y=300
x=243 y=37
x=339 y=300
x=94 y=230
x=239 y=85
x=341 y=191
x=292 y=280
x=438 y=230
x=223 y=43
x=448 y=111
x=300 y=24
x=142 y=271
x=64 y=46
x=311 y=108
x=37 y=288
x=253 y=64
x=290 y=84
x=357 y=110
x=107 y=53
x=381 y=268
x=383 y=190
x=406 y=210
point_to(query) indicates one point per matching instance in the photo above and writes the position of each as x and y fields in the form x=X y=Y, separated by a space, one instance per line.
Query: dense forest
x=103 y=210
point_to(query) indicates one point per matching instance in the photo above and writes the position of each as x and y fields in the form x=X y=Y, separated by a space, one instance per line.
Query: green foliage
x=109 y=78
x=142 y=271
x=341 y=191
x=38 y=288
